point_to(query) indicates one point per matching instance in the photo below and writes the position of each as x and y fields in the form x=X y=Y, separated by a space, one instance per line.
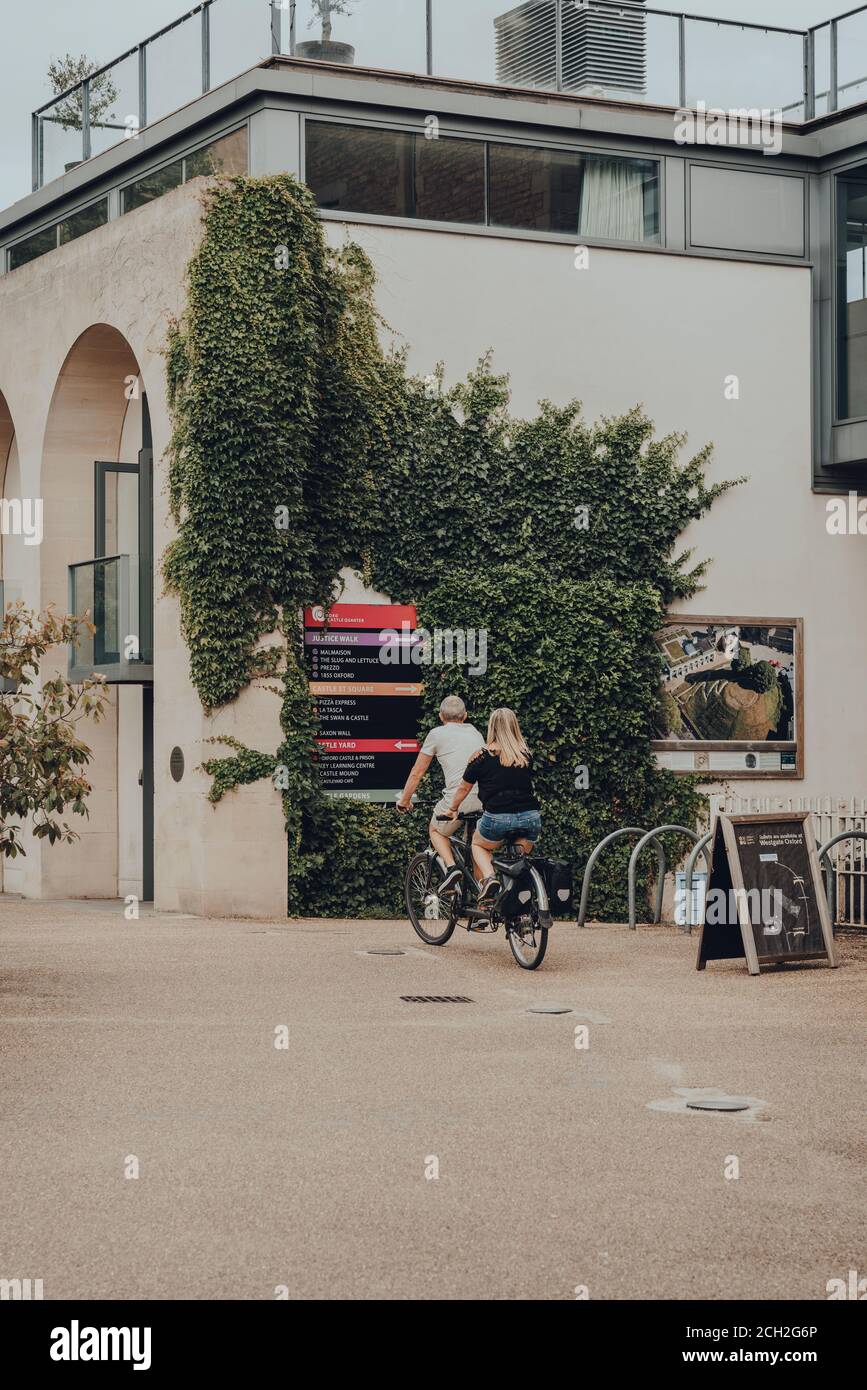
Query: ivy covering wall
x=301 y=446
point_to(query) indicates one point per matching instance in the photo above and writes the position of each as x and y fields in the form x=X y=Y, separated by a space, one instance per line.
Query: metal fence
x=638 y=53
x=831 y=816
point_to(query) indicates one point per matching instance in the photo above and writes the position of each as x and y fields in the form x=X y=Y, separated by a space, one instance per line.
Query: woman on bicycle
x=503 y=770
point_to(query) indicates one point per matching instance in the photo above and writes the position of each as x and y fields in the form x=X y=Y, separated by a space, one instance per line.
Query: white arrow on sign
x=401 y=746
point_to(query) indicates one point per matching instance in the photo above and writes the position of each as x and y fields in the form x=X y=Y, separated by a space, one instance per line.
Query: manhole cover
x=718 y=1105
x=385 y=951
x=435 y=999
x=706 y=1099
x=549 y=1009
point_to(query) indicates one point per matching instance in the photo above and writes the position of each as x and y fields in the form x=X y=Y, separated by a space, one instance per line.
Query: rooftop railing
x=612 y=48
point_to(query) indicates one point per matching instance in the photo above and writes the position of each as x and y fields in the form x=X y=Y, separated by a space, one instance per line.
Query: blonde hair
x=506 y=740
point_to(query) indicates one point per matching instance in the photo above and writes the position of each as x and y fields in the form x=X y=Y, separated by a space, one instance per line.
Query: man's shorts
x=471 y=806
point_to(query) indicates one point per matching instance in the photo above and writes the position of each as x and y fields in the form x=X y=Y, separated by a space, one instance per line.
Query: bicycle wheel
x=528 y=941
x=434 y=918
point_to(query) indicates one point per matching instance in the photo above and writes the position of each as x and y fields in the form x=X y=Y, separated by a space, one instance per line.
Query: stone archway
x=95 y=416
x=11 y=540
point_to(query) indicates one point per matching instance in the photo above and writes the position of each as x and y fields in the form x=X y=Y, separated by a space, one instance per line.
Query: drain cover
x=435 y=999
x=717 y=1104
x=549 y=1009
x=385 y=951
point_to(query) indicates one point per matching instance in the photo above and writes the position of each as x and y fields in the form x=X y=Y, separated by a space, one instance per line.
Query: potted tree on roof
x=69 y=71
x=326 y=50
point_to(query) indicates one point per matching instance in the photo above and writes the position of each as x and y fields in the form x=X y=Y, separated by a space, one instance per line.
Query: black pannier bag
x=518 y=897
x=557 y=874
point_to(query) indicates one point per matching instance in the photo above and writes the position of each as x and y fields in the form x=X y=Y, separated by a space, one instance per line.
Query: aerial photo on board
x=724 y=683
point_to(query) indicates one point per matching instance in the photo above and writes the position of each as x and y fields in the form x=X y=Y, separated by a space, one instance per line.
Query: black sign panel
x=366 y=716
x=364 y=772
x=344 y=662
x=765 y=899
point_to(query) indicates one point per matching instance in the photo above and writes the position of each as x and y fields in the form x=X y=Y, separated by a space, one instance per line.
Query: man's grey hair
x=453 y=708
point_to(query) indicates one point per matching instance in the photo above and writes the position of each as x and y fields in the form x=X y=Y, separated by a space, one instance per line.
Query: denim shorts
x=494 y=827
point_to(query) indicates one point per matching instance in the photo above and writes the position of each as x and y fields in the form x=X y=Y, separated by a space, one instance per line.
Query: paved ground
x=306 y=1166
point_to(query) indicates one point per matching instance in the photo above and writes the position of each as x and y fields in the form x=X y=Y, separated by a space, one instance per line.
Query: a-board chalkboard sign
x=765 y=899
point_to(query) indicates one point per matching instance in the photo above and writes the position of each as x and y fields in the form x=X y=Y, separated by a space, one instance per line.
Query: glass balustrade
x=852 y=59
x=114 y=104
x=621 y=51
x=60 y=137
x=737 y=67
x=105 y=592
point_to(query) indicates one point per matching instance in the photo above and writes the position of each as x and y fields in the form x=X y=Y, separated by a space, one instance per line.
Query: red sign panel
x=366 y=617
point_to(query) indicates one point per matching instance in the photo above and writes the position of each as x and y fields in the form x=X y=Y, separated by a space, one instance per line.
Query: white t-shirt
x=453 y=745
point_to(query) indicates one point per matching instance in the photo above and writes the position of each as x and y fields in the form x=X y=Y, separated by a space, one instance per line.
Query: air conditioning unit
x=604 y=46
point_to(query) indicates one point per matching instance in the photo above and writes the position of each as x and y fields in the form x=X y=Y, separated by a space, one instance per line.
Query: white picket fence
x=831 y=816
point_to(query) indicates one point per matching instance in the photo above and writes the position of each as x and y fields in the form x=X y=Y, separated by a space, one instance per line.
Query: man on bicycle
x=452 y=745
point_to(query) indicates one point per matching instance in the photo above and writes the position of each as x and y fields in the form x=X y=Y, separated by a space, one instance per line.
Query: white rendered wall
x=667 y=331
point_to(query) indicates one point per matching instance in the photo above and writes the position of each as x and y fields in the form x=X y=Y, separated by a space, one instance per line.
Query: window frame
x=840 y=176
x=486 y=228
x=180 y=157
x=383 y=128
x=99 y=511
x=54 y=225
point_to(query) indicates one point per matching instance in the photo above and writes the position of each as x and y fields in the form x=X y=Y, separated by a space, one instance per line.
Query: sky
x=32 y=34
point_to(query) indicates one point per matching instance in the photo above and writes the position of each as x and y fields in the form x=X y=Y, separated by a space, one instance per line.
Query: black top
x=502 y=790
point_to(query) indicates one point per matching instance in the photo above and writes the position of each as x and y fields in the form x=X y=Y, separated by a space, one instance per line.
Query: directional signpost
x=368 y=710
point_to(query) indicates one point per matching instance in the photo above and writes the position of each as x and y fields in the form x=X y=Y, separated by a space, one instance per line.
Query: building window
x=394 y=174
x=852 y=296
x=85 y=220
x=153 y=186
x=32 y=246
x=619 y=199
x=403 y=174
x=450 y=180
x=535 y=189
x=228 y=155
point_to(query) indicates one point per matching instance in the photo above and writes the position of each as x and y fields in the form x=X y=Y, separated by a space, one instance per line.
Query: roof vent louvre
x=604 y=46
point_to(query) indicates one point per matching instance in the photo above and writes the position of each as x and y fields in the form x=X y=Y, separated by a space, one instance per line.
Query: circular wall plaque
x=176 y=764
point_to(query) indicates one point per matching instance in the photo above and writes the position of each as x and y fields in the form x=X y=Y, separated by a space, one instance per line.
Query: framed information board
x=731 y=698
x=368 y=710
x=765 y=901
